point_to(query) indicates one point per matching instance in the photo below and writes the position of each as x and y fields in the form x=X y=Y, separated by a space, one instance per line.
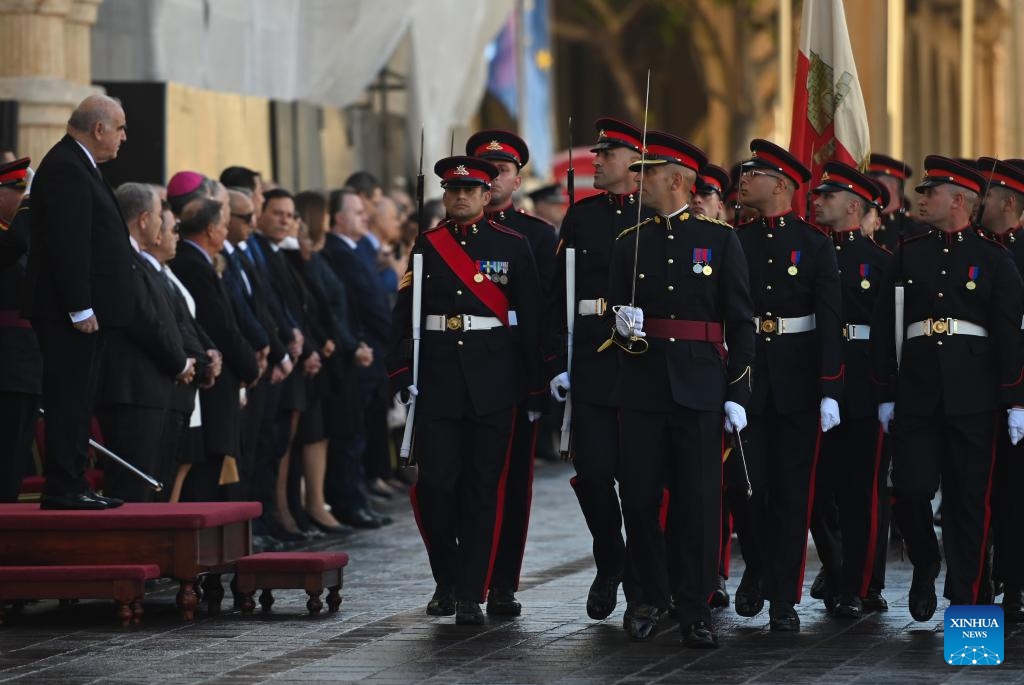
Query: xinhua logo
x=974 y=635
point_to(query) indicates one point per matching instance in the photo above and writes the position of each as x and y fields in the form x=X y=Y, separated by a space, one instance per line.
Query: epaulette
x=992 y=241
x=915 y=237
x=634 y=228
x=882 y=248
x=705 y=217
x=534 y=217
x=505 y=229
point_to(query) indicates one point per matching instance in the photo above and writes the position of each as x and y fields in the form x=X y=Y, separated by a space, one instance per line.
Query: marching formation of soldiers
x=756 y=378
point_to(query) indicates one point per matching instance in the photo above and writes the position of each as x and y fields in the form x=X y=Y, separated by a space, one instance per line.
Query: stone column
x=77 y=40
x=34 y=67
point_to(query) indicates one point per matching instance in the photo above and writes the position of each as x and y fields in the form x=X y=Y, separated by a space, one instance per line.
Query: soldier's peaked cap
x=998 y=173
x=713 y=179
x=13 y=174
x=883 y=165
x=768 y=155
x=616 y=133
x=456 y=172
x=665 y=148
x=838 y=176
x=939 y=170
x=498 y=146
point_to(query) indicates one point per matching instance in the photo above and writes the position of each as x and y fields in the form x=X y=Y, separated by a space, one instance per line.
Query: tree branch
x=574 y=32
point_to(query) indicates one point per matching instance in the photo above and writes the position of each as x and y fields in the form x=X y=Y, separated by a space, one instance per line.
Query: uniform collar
x=845 y=235
x=951 y=237
x=1007 y=238
x=621 y=200
x=500 y=212
x=471 y=226
x=676 y=213
x=777 y=221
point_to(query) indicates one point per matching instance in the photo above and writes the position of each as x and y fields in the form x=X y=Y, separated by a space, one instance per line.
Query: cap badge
x=494 y=145
x=600 y=134
x=825 y=177
x=461 y=170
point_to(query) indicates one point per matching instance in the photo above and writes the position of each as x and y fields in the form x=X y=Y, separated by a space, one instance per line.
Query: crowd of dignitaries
x=224 y=336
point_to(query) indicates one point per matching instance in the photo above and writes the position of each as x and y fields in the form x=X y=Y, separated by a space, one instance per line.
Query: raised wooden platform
x=184 y=539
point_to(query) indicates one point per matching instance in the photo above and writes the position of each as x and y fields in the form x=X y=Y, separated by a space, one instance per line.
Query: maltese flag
x=829 y=118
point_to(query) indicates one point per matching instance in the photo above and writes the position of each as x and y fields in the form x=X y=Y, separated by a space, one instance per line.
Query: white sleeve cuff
x=78 y=317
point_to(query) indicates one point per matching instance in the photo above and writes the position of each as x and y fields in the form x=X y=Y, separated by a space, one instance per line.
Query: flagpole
x=966 y=78
x=895 y=50
x=784 y=117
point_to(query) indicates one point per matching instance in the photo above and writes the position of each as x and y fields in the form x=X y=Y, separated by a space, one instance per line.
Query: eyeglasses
x=247 y=218
x=750 y=173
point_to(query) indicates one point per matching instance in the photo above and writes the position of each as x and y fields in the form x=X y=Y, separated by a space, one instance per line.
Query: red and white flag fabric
x=830 y=121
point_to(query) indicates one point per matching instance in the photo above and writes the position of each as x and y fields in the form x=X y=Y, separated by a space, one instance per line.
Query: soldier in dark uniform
x=851 y=455
x=509 y=155
x=960 y=368
x=481 y=308
x=893 y=174
x=1000 y=219
x=794 y=281
x=590 y=226
x=22 y=369
x=676 y=385
x=709 y=199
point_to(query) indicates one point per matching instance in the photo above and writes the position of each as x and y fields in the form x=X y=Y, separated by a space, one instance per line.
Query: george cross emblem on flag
x=461 y=170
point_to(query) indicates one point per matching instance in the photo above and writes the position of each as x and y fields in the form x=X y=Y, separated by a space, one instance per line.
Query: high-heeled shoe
x=340 y=529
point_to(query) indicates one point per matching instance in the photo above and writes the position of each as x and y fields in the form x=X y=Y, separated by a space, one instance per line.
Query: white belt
x=781 y=324
x=857 y=331
x=592 y=307
x=930 y=327
x=465 y=322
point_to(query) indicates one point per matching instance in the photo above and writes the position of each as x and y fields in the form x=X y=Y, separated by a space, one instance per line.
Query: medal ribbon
x=794 y=257
x=972 y=273
x=865 y=269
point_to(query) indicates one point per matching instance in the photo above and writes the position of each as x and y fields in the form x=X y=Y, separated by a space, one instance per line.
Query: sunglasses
x=247 y=218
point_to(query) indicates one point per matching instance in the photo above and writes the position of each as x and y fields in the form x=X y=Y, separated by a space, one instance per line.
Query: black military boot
x=749 y=596
x=874 y=601
x=819 y=587
x=720 y=597
x=848 y=606
x=468 y=614
x=922 y=593
x=603 y=596
x=699 y=635
x=502 y=602
x=783 y=617
x=442 y=603
x=642 y=621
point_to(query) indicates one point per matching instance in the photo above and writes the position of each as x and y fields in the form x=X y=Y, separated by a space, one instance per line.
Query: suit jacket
x=80 y=256
x=266 y=305
x=220 y=407
x=141 y=360
x=235 y=281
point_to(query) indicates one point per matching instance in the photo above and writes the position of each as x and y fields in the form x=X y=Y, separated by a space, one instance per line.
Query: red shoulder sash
x=464 y=267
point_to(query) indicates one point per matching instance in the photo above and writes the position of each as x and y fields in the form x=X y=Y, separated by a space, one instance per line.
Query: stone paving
x=382 y=635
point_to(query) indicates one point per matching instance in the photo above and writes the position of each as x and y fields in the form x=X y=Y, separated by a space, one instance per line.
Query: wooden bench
x=309 y=571
x=125 y=584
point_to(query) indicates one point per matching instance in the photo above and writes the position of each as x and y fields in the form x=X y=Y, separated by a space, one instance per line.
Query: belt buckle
x=601 y=307
x=941 y=327
x=454 y=323
x=768 y=325
x=848 y=331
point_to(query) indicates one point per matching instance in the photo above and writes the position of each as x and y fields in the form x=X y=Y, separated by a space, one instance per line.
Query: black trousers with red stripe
x=686 y=446
x=458 y=497
x=1008 y=510
x=595 y=450
x=515 y=520
x=959 y=451
x=781 y=457
x=844 y=522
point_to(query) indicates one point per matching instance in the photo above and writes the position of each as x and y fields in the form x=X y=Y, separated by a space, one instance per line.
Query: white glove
x=885 y=412
x=533 y=415
x=629 y=321
x=829 y=414
x=29 y=175
x=1015 y=424
x=735 y=417
x=560 y=386
x=409 y=393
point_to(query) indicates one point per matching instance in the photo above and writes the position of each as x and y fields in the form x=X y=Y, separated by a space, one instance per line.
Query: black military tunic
x=591 y=226
x=950 y=391
x=793 y=275
x=851 y=464
x=519 y=484
x=470 y=383
x=888 y=233
x=691 y=283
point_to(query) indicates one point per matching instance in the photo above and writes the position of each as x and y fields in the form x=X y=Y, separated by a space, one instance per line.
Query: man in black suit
x=142 y=361
x=22 y=370
x=203 y=231
x=78 y=287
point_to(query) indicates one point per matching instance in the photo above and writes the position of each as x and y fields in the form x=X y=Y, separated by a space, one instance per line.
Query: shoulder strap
x=463 y=267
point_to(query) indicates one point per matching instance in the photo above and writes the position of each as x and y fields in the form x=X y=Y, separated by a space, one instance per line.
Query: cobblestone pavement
x=383 y=636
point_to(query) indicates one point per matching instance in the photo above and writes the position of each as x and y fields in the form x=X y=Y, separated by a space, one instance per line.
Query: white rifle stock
x=570 y=314
x=417 y=307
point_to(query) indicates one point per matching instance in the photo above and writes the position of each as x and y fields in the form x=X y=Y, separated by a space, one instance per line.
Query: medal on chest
x=494 y=270
x=702 y=261
x=972 y=276
x=794 y=263
x=865 y=271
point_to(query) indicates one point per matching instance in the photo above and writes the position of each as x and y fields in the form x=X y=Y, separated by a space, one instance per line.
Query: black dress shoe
x=875 y=601
x=442 y=603
x=340 y=529
x=699 y=635
x=279 y=532
x=922 y=593
x=1013 y=604
x=468 y=614
x=361 y=518
x=72 y=500
x=848 y=607
x=502 y=602
x=749 y=597
x=819 y=586
x=603 y=596
x=643 y=620
x=783 y=617
x=720 y=597
x=111 y=502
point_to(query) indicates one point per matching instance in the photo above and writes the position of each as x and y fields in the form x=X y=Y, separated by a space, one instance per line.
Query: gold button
x=946 y=250
x=671 y=261
x=462 y=242
x=460 y=342
x=767 y=313
x=771 y=261
x=671 y=339
x=639 y=275
x=584 y=252
x=943 y=272
x=940 y=295
x=768 y=339
x=458 y=292
x=671 y=288
x=769 y=235
x=767 y=287
x=938 y=342
x=671 y=237
x=618 y=211
x=671 y=316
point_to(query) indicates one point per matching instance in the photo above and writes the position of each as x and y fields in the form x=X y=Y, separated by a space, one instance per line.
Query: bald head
x=98 y=123
x=385 y=222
